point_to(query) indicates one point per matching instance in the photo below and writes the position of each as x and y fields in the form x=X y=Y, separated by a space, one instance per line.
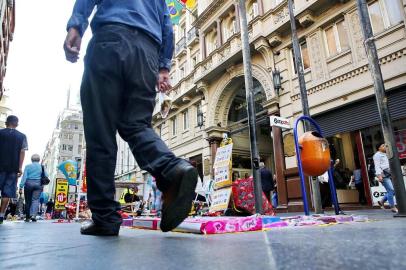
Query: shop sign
x=220 y=200
x=222 y=177
x=378 y=193
x=223 y=156
x=61 y=193
x=401 y=143
x=279 y=122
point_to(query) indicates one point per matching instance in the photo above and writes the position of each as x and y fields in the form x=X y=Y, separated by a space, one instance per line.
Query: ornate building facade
x=209 y=96
x=7 y=19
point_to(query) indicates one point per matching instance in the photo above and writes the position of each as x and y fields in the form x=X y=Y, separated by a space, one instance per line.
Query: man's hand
x=20 y=172
x=380 y=178
x=163 y=84
x=72 y=45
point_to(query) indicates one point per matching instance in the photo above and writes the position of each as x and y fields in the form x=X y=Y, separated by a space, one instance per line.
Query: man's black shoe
x=90 y=228
x=177 y=200
x=33 y=219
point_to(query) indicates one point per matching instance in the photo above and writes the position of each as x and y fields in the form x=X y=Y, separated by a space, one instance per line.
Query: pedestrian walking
x=49 y=209
x=382 y=172
x=266 y=180
x=359 y=185
x=128 y=56
x=13 y=145
x=31 y=183
x=20 y=204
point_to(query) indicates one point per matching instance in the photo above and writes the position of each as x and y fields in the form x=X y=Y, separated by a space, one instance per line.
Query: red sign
x=84 y=179
x=61 y=197
x=400 y=137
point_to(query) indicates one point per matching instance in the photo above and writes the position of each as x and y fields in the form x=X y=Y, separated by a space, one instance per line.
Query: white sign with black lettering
x=220 y=199
x=280 y=122
x=223 y=156
x=222 y=177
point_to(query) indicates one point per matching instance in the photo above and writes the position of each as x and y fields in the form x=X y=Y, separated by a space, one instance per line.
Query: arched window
x=238 y=108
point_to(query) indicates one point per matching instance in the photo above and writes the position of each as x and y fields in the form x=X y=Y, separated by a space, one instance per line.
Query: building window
x=384 y=14
x=336 y=38
x=195 y=59
x=305 y=57
x=64 y=147
x=182 y=72
x=70 y=148
x=79 y=149
x=80 y=137
x=198 y=110
x=186 y=120
x=174 y=126
x=76 y=126
x=70 y=136
x=253 y=11
x=277 y=2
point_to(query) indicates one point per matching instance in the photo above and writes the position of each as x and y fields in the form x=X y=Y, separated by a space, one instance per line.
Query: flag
x=189 y=3
x=69 y=169
x=175 y=10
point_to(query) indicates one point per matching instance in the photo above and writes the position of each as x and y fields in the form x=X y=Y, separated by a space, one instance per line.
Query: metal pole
x=249 y=85
x=382 y=102
x=303 y=97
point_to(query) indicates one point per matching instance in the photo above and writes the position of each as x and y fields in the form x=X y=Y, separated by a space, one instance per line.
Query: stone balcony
x=192 y=37
x=180 y=48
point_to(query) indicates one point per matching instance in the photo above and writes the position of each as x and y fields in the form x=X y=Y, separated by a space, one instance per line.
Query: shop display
x=244 y=198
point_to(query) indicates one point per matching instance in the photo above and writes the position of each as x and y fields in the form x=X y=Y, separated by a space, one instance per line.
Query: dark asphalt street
x=379 y=244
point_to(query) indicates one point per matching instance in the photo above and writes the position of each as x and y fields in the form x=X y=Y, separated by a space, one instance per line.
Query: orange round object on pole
x=315 y=153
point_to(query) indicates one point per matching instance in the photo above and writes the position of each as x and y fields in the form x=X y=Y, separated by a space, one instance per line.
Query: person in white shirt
x=382 y=172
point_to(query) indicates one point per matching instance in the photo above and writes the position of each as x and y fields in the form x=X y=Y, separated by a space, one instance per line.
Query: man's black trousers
x=118 y=94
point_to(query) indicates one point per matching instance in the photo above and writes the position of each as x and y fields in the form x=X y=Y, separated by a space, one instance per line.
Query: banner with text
x=61 y=193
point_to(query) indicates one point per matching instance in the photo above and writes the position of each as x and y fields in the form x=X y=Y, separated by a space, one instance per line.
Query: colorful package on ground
x=232 y=224
x=147 y=223
x=244 y=199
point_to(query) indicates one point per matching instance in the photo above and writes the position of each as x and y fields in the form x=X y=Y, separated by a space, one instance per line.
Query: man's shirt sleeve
x=24 y=178
x=81 y=12
x=166 y=51
x=377 y=163
x=24 y=146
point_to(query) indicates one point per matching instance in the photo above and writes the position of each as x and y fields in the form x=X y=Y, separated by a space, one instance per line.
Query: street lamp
x=277 y=81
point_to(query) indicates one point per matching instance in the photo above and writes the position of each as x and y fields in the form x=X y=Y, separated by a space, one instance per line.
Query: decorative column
x=214 y=137
x=219 y=33
x=260 y=7
x=237 y=16
x=214 y=143
x=202 y=41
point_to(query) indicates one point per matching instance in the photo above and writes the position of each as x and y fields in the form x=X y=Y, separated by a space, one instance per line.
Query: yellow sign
x=223 y=156
x=220 y=200
x=222 y=177
x=61 y=193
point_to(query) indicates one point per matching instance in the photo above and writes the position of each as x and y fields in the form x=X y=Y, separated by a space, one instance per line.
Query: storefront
x=353 y=132
x=237 y=121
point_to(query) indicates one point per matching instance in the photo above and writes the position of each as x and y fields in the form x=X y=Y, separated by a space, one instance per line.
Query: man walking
x=266 y=180
x=382 y=171
x=13 y=145
x=128 y=56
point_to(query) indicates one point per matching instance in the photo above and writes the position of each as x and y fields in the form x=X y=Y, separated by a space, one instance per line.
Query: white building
x=66 y=143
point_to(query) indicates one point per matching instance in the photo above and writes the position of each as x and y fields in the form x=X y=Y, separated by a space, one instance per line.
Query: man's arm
x=24 y=178
x=80 y=14
x=24 y=147
x=165 y=53
x=378 y=169
x=76 y=27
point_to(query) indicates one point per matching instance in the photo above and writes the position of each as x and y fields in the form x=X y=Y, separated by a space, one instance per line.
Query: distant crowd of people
x=27 y=202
